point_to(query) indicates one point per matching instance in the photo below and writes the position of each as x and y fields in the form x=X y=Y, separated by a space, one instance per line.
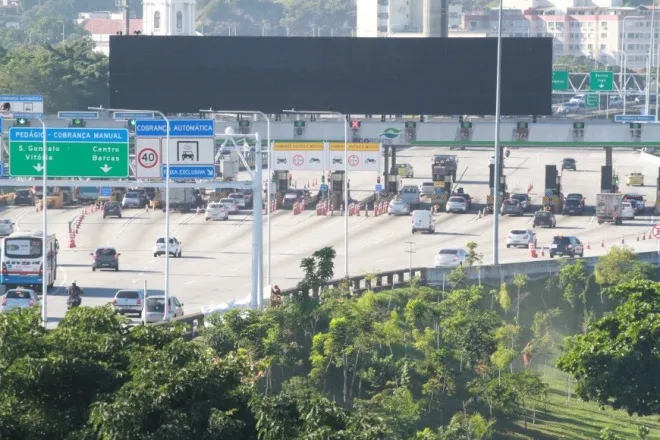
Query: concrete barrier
x=431 y=276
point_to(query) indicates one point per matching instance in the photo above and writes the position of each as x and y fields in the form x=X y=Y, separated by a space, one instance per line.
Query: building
x=404 y=18
x=161 y=17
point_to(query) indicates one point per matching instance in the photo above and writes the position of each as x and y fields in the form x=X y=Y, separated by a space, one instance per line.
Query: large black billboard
x=435 y=76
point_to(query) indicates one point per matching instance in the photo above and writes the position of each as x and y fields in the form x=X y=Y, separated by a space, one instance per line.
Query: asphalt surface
x=216 y=262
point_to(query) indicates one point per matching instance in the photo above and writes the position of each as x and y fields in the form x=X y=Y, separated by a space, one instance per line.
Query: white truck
x=609 y=207
x=181 y=199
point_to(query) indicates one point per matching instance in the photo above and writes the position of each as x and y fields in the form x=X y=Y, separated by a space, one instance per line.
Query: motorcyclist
x=507 y=152
x=74 y=293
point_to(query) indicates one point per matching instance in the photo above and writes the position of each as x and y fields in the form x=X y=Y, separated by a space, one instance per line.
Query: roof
x=109 y=26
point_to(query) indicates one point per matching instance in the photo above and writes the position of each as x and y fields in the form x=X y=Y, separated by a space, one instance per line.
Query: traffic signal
x=78 y=123
x=22 y=122
x=131 y=125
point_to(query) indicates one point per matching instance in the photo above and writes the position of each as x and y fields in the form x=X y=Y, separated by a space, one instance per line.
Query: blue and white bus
x=22 y=260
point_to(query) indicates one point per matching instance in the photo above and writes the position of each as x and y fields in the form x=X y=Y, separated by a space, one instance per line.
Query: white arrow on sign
x=39 y=168
x=601 y=85
x=105 y=168
x=209 y=172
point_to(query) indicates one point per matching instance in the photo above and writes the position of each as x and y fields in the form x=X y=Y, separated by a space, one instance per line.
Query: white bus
x=22 y=260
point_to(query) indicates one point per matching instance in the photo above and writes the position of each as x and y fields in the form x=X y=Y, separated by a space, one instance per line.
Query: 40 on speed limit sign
x=147 y=158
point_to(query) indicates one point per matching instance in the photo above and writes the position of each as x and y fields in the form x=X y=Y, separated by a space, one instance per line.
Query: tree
x=619 y=265
x=318 y=269
x=612 y=361
x=520 y=281
x=574 y=280
x=473 y=257
x=504 y=299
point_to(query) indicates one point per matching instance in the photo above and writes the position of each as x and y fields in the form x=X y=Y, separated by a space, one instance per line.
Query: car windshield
x=18 y=294
x=457 y=199
x=542 y=214
x=569 y=160
x=132 y=195
x=511 y=202
x=448 y=252
x=409 y=189
x=106 y=251
x=518 y=232
x=235 y=196
x=230 y=201
x=112 y=205
x=561 y=240
x=519 y=197
x=427 y=184
x=398 y=202
x=156 y=305
x=216 y=206
x=634 y=197
x=23 y=247
x=572 y=202
x=128 y=294
x=162 y=240
x=403 y=165
x=23 y=193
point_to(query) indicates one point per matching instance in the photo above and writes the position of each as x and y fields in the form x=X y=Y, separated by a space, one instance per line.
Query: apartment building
x=399 y=18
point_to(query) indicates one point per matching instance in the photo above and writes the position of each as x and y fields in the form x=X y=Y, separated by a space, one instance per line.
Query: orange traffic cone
x=623 y=240
x=588 y=245
x=602 y=242
x=650 y=235
x=72 y=240
x=638 y=236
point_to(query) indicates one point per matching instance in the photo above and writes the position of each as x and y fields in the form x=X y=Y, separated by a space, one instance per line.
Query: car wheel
x=413 y=231
x=103 y=215
x=552 y=255
x=581 y=254
x=119 y=216
x=155 y=255
x=117 y=269
x=508 y=246
x=180 y=255
x=206 y=219
x=93 y=269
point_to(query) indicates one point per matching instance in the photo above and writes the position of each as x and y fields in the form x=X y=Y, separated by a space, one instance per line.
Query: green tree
x=619 y=265
x=612 y=360
x=520 y=281
x=504 y=298
x=473 y=257
x=318 y=270
x=574 y=281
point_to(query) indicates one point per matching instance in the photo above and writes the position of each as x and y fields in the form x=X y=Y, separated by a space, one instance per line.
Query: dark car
x=23 y=197
x=112 y=209
x=568 y=246
x=525 y=202
x=105 y=258
x=249 y=197
x=568 y=163
x=544 y=218
x=511 y=207
x=573 y=205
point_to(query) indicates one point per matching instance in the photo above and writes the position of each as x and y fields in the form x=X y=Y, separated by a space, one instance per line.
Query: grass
x=561 y=417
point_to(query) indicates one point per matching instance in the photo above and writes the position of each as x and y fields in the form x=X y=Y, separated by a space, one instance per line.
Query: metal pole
x=144 y=304
x=657 y=79
x=498 y=159
x=345 y=195
x=167 y=214
x=258 y=229
x=44 y=220
x=410 y=253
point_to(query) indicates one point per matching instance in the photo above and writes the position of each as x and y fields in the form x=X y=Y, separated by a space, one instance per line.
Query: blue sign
x=181 y=128
x=78 y=115
x=378 y=187
x=118 y=135
x=2 y=171
x=1 y=126
x=634 y=118
x=22 y=115
x=323 y=188
x=189 y=172
x=106 y=191
x=22 y=98
x=133 y=115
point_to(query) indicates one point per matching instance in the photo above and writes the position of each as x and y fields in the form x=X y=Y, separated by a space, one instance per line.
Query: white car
x=521 y=237
x=6 y=227
x=427 y=188
x=450 y=257
x=230 y=204
x=456 y=204
x=175 y=247
x=155 y=308
x=628 y=212
x=18 y=299
x=241 y=203
x=216 y=211
x=398 y=207
x=131 y=199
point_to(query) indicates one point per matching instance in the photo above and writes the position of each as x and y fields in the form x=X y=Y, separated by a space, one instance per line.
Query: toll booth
x=281 y=179
x=552 y=197
x=490 y=199
x=393 y=183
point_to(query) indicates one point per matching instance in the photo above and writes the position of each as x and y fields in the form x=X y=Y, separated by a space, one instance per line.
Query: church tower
x=168 y=17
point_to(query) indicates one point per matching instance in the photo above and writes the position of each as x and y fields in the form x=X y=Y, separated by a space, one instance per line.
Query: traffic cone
x=588 y=245
x=542 y=251
x=638 y=236
x=643 y=236
x=623 y=240
x=72 y=240
x=650 y=235
x=602 y=242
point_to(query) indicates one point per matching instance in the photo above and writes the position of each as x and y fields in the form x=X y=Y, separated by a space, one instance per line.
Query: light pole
x=498 y=158
x=44 y=221
x=268 y=180
x=167 y=194
x=346 y=272
x=410 y=253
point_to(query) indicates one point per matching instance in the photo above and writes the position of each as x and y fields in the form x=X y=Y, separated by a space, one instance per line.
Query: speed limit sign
x=147 y=158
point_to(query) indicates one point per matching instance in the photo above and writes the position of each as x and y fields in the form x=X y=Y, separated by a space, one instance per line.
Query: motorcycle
x=73 y=302
x=507 y=153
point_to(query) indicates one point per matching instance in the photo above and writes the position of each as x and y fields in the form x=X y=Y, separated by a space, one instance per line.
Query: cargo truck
x=609 y=207
x=182 y=199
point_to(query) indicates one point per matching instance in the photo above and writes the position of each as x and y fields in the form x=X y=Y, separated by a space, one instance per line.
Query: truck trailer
x=609 y=207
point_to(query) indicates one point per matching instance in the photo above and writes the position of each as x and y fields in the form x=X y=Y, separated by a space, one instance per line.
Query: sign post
x=71 y=152
x=593 y=100
x=656 y=233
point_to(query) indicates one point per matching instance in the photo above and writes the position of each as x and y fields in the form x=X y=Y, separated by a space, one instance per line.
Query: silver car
x=155 y=308
x=398 y=207
x=427 y=188
x=131 y=199
x=457 y=204
x=230 y=204
x=521 y=237
x=18 y=299
x=450 y=257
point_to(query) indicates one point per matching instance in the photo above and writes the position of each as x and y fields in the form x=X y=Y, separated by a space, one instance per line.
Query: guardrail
x=431 y=276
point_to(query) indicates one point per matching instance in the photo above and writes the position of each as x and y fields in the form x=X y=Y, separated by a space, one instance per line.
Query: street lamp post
x=44 y=222
x=268 y=185
x=498 y=158
x=346 y=271
x=167 y=195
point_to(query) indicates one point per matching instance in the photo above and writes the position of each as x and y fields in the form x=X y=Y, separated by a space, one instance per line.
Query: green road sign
x=560 y=80
x=602 y=81
x=72 y=152
x=592 y=100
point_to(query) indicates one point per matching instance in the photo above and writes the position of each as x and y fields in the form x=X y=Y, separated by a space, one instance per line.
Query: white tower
x=168 y=17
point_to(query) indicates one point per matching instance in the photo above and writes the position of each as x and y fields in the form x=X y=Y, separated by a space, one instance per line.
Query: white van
x=423 y=221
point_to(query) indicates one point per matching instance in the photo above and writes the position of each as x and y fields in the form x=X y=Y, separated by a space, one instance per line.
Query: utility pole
x=127 y=18
x=410 y=253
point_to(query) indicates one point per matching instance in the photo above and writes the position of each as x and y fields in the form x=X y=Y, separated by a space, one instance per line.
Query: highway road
x=216 y=262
